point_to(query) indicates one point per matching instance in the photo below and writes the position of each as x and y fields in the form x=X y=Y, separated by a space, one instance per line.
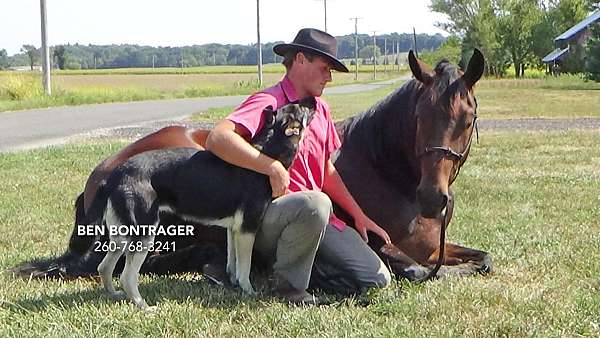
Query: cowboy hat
x=315 y=42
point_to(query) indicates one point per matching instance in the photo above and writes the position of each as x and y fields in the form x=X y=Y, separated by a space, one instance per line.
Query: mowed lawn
x=563 y=97
x=530 y=199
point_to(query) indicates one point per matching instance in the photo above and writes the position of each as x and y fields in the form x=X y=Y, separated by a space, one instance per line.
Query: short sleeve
x=333 y=140
x=249 y=113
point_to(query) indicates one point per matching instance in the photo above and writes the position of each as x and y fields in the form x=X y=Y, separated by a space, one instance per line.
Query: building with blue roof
x=569 y=42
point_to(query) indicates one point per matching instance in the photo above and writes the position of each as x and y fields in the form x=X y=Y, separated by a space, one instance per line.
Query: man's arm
x=335 y=188
x=226 y=142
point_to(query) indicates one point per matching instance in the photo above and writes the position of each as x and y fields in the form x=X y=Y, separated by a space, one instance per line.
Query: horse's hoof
x=414 y=273
x=486 y=265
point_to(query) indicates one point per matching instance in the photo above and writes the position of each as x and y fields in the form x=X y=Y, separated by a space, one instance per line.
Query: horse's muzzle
x=431 y=203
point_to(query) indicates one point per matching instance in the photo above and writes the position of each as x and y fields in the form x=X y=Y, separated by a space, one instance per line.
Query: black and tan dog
x=200 y=188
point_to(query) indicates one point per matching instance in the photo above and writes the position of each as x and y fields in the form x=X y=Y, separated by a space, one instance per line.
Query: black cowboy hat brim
x=336 y=64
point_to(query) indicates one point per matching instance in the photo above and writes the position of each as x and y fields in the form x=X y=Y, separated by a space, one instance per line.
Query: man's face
x=314 y=75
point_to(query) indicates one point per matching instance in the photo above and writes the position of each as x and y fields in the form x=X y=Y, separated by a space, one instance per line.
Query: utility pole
x=152 y=61
x=325 y=9
x=374 y=55
x=385 y=59
x=45 y=51
x=355 y=48
x=398 y=54
x=259 y=61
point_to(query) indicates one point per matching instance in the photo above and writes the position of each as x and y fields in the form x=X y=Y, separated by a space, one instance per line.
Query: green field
x=24 y=90
x=563 y=97
x=530 y=199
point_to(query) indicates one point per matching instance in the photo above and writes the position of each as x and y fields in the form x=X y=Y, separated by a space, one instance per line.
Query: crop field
x=24 y=90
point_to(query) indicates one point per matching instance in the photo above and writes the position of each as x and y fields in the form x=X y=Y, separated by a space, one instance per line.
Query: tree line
x=515 y=32
x=79 y=56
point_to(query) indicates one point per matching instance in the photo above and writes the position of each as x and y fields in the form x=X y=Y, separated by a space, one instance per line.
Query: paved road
x=42 y=127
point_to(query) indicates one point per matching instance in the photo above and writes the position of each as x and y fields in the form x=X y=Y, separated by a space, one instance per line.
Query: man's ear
x=269 y=116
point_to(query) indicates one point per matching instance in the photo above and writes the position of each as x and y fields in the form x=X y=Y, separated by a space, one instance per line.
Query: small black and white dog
x=198 y=187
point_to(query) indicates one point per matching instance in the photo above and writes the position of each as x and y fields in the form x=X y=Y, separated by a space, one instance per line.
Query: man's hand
x=364 y=224
x=279 y=179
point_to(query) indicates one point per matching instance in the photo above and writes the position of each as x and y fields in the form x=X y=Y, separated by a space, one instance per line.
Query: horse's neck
x=384 y=135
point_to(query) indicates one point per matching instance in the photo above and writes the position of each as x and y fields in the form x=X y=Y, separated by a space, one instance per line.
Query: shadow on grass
x=178 y=288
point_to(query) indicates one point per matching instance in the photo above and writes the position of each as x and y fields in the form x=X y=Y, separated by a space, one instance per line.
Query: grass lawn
x=564 y=97
x=530 y=199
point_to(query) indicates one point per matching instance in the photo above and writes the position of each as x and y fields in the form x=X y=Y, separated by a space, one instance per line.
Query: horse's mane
x=386 y=131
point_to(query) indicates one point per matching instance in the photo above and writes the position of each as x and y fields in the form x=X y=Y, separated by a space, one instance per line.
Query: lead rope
x=432 y=274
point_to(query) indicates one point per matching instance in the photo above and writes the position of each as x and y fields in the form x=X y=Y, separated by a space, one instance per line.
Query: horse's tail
x=80 y=259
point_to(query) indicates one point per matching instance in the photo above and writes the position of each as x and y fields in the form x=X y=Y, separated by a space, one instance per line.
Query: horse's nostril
x=444 y=200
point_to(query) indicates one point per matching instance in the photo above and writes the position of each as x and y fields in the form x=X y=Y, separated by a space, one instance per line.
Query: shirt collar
x=288 y=89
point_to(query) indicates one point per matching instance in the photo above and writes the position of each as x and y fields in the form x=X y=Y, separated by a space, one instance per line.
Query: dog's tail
x=80 y=259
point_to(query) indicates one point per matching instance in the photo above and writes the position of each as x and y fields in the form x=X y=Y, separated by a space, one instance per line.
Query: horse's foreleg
x=400 y=264
x=462 y=260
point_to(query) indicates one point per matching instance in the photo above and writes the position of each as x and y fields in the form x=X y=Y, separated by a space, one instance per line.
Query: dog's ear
x=269 y=116
x=310 y=103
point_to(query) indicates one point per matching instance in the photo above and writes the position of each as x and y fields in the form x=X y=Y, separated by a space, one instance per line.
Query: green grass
x=553 y=97
x=529 y=198
x=563 y=97
x=342 y=105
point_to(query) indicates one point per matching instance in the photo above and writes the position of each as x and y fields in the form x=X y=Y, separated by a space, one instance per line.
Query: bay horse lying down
x=398 y=159
x=197 y=187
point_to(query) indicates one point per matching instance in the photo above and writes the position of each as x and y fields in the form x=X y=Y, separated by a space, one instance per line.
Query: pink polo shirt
x=319 y=142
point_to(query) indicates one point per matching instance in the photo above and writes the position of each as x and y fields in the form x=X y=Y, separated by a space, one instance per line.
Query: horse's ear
x=420 y=69
x=474 y=69
x=269 y=116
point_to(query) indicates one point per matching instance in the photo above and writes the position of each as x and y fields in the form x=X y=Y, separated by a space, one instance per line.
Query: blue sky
x=188 y=22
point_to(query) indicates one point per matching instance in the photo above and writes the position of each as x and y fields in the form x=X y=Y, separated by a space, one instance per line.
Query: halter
x=447 y=152
x=457 y=159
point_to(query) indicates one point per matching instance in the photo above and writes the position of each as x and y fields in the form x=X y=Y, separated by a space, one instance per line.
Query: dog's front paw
x=247 y=287
x=118 y=295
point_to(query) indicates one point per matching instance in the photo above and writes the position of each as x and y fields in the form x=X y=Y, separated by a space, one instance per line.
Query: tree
x=59 y=56
x=517 y=22
x=3 y=59
x=476 y=22
x=32 y=53
x=449 y=50
x=593 y=54
x=367 y=52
